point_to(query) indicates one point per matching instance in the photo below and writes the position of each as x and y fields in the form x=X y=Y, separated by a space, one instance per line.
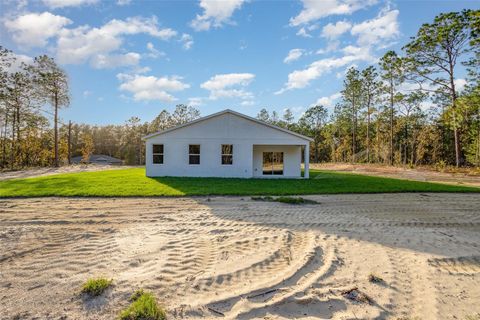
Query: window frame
x=194 y=154
x=273 y=155
x=158 y=154
x=226 y=154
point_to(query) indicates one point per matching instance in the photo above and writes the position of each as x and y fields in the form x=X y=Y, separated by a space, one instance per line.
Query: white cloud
x=195 y=101
x=86 y=44
x=54 y=4
x=315 y=9
x=373 y=31
x=34 y=29
x=153 y=52
x=123 y=2
x=333 y=31
x=87 y=93
x=331 y=46
x=98 y=46
x=187 y=41
x=371 y=34
x=215 y=13
x=140 y=70
x=293 y=55
x=247 y=103
x=460 y=84
x=302 y=32
x=327 y=101
x=145 y=88
x=229 y=85
x=301 y=78
x=101 y=61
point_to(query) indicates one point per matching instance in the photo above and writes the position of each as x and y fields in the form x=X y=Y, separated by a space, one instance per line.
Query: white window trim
x=158 y=154
x=194 y=154
x=225 y=154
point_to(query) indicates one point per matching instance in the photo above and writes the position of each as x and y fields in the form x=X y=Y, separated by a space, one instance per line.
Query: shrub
x=294 y=200
x=143 y=307
x=95 y=287
x=137 y=294
x=289 y=200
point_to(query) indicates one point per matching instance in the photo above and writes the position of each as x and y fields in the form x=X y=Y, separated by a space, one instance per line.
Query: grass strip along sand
x=133 y=182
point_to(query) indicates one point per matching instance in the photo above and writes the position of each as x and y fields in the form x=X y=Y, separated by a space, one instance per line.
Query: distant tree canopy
x=412 y=108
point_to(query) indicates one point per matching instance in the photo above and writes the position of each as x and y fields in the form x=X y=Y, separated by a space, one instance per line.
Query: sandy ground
x=37 y=172
x=206 y=257
x=419 y=174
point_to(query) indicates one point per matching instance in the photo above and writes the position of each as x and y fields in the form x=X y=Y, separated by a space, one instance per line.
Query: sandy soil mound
x=235 y=258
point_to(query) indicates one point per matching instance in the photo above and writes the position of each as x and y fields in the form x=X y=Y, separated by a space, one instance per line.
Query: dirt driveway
x=203 y=257
x=47 y=171
x=418 y=174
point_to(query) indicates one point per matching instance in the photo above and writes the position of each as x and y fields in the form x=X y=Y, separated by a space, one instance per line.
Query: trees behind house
x=412 y=110
x=418 y=106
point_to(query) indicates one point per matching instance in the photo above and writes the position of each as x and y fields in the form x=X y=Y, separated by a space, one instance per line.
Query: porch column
x=306 y=153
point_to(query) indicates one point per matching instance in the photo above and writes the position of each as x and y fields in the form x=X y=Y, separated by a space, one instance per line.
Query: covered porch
x=280 y=161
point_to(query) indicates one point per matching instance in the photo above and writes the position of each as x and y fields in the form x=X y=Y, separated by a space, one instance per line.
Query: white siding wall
x=292 y=160
x=210 y=134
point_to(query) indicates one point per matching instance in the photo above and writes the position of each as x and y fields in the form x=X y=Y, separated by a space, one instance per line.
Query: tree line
x=409 y=109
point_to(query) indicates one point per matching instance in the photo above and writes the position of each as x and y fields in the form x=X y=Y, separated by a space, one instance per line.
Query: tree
x=87 y=147
x=52 y=87
x=288 y=118
x=409 y=107
x=311 y=124
x=433 y=55
x=370 y=88
x=392 y=75
x=263 y=115
x=161 y=122
x=18 y=99
x=184 y=114
x=352 y=95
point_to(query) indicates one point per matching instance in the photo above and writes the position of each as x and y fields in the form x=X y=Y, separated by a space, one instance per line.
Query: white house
x=227 y=144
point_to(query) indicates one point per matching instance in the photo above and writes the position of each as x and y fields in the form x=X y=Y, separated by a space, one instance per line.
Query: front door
x=272 y=163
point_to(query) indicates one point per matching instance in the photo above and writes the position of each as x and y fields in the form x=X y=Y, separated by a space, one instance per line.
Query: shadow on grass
x=319 y=183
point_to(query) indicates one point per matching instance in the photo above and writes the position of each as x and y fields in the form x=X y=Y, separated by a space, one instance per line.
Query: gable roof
x=222 y=113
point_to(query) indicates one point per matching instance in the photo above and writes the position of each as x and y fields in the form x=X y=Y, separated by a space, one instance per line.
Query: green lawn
x=133 y=182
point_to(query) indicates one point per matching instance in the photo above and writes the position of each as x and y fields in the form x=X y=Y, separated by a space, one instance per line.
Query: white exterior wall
x=292 y=160
x=210 y=134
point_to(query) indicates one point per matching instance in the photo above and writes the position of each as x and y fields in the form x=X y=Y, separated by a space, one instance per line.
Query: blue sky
x=136 y=58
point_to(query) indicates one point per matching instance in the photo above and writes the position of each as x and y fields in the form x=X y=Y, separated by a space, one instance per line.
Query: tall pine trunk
x=13 y=146
x=368 y=131
x=4 y=140
x=458 y=150
x=55 y=128
x=391 y=122
x=354 y=130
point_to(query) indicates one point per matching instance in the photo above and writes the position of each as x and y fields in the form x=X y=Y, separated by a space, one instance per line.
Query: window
x=194 y=154
x=157 y=153
x=272 y=163
x=227 y=153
